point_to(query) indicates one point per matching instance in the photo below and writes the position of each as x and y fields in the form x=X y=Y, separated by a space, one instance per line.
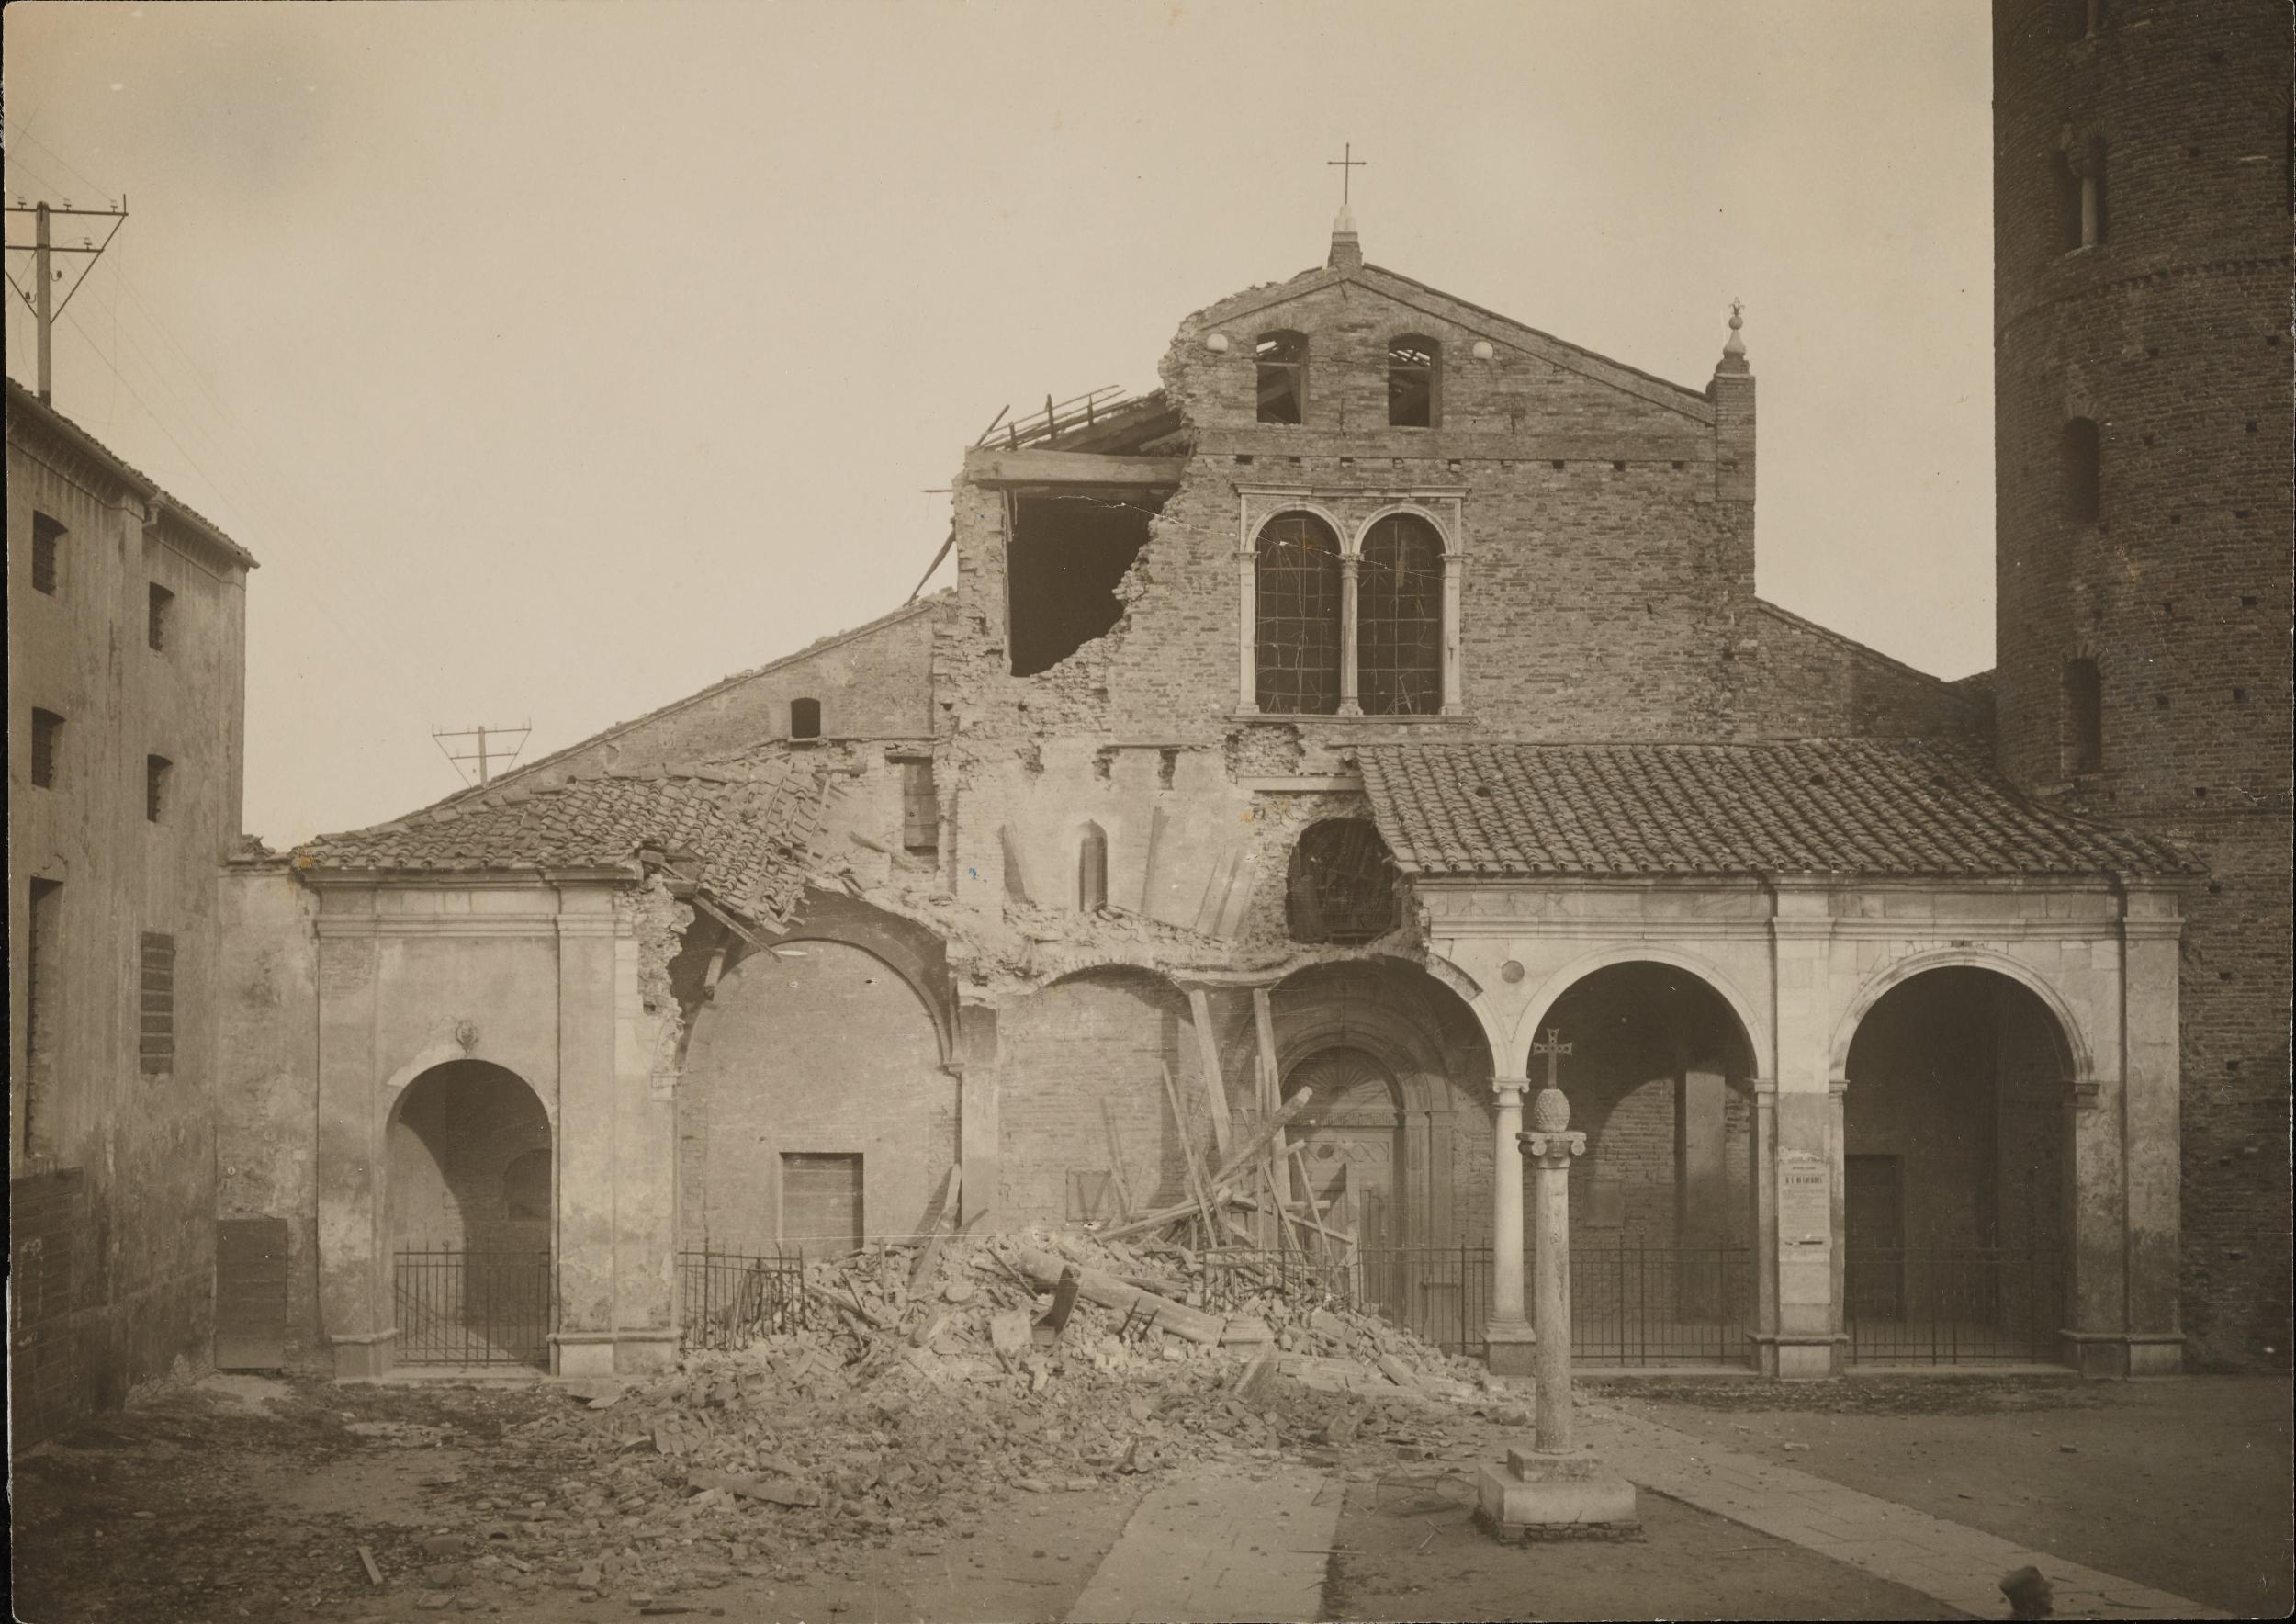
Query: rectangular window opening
x=156 y=625
x=920 y=810
x=47 y=744
x=155 y=772
x=47 y=553
x=821 y=1204
x=1068 y=554
x=158 y=1003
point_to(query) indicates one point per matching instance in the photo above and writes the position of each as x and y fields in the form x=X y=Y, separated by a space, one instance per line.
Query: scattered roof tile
x=1869 y=807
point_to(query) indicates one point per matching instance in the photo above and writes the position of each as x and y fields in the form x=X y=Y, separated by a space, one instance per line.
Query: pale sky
x=557 y=360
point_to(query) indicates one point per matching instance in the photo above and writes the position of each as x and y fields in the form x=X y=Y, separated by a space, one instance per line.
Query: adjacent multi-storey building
x=126 y=620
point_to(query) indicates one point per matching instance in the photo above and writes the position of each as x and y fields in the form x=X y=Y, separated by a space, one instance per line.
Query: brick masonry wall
x=827 y=1053
x=1104 y=1036
x=2173 y=336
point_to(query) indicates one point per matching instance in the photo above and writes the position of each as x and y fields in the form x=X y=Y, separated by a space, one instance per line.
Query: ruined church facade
x=1378 y=707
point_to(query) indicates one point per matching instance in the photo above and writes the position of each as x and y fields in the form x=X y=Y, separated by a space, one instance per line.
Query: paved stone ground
x=1953 y=1563
x=1227 y=1543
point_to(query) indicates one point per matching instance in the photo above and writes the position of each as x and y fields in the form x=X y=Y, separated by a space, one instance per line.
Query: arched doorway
x=1659 y=1073
x=1955 y=1143
x=1356 y=1159
x=469 y=1213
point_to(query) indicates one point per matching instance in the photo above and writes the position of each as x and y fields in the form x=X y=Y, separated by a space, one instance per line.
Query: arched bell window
x=1297 y=616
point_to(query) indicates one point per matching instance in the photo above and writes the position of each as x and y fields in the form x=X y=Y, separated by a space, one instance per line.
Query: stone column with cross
x=1555 y=1484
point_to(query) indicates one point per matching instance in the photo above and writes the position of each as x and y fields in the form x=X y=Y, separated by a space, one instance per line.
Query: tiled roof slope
x=749 y=830
x=1851 y=806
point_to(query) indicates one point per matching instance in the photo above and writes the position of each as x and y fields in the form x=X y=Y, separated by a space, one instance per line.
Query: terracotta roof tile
x=1874 y=807
x=750 y=832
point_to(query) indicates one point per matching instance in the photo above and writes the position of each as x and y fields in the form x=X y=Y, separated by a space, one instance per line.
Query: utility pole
x=484 y=758
x=41 y=301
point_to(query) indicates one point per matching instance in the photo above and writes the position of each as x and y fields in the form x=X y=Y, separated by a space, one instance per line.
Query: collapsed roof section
x=745 y=836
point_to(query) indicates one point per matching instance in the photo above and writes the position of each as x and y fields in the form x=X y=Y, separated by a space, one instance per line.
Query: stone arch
x=1751 y=1026
x=450 y=1137
x=911 y=951
x=2079 y=1053
x=1430 y=1041
x=1352 y=540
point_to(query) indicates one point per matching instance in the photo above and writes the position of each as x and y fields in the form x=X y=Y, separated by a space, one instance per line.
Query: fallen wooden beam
x=923 y=1268
x=1238 y=1163
x=1106 y=1290
x=1208 y=1057
x=1116 y=1164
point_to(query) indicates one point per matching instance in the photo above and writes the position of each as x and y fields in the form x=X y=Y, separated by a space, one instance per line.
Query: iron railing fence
x=1953 y=1306
x=473 y=1308
x=731 y=1299
x=1629 y=1305
x=1637 y=1304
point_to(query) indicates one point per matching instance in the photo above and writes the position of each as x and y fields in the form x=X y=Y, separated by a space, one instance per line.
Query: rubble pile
x=928 y=1385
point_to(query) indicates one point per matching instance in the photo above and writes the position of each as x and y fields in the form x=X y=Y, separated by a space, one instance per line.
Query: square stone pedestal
x=1537 y=1491
x=1510 y=1349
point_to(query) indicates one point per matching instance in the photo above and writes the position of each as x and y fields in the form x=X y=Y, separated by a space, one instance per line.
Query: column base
x=612 y=1353
x=363 y=1355
x=1536 y=1491
x=1512 y=1345
x=2108 y=1355
x=1799 y=1359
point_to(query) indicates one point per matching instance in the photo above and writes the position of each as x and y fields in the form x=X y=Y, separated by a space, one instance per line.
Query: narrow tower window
x=1283 y=377
x=1411 y=363
x=155 y=772
x=1092 y=869
x=1296 y=635
x=804 y=718
x=47 y=553
x=2083 y=716
x=2084 y=469
x=157 y=1002
x=156 y=625
x=2093 y=193
x=47 y=741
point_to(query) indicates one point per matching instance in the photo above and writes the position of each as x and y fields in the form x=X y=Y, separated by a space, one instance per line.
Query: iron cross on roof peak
x=1346 y=163
x=1554 y=1048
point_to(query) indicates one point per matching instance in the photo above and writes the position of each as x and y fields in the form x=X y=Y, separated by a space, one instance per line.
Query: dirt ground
x=243 y=1498
x=2183 y=1486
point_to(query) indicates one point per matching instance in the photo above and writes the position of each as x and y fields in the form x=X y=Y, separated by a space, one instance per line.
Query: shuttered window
x=821 y=1202
x=158 y=1003
x=920 y=808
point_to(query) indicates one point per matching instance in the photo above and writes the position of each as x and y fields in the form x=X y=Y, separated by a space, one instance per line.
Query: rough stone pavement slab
x=1223 y=1543
x=1958 y=1565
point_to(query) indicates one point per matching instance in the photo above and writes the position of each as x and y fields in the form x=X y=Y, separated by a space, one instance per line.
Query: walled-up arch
x=814 y=1108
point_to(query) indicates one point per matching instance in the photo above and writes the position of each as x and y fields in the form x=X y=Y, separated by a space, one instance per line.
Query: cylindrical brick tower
x=2142 y=216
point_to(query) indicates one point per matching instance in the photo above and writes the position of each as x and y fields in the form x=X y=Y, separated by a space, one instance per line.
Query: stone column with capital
x=1509 y=1332
x=1555 y=1484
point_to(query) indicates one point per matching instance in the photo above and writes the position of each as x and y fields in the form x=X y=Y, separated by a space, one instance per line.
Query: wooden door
x=251 y=1292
